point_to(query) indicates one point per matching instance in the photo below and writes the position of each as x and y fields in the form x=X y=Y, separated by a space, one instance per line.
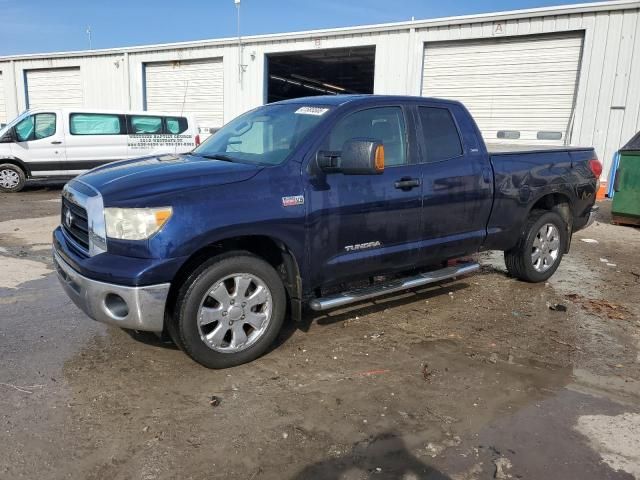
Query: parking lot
x=482 y=377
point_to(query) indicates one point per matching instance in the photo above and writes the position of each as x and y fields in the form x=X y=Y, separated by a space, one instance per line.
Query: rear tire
x=12 y=178
x=230 y=310
x=540 y=247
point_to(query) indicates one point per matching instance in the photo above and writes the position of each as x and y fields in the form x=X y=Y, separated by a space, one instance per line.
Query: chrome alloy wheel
x=546 y=248
x=9 y=178
x=235 y=313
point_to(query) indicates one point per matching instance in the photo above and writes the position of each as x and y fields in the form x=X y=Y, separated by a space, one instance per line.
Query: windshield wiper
x=217 y=156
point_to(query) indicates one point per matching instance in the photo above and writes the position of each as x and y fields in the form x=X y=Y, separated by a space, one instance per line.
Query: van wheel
x=12 y=178
x=539 y=250
x=230 y=310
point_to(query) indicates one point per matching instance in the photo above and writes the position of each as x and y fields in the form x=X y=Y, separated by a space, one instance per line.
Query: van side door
x=458 y=181
x=360 y=225
x=40 y=143
x=94 y=139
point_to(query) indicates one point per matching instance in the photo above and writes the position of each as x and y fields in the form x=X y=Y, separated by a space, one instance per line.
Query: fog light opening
x=116 y=306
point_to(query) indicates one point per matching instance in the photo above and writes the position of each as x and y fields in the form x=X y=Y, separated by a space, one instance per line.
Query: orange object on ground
x=602 y=191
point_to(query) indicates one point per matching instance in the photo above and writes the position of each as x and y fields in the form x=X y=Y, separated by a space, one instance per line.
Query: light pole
x=88 y=32
x=240 y=66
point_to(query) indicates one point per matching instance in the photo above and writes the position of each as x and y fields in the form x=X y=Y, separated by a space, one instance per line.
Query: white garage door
x=187 y=86
x=3 y=104
x=54 y=88
x=520 y=89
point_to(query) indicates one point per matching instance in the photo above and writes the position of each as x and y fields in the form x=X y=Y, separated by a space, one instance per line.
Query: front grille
x=74 y=223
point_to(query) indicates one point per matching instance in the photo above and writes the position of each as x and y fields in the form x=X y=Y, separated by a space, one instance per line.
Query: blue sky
x=32 y=26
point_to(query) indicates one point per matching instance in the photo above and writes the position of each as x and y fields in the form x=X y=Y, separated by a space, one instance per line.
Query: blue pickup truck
x=314 y=202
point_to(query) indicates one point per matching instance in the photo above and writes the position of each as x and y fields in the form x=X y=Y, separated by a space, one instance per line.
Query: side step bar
x=345 y=298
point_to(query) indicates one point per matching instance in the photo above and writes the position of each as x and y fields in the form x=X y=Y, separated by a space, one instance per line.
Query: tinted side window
x=95 y=124
x=385 y=124
x=35 y=127
x=140 y=125
x=176 y=125
x=440 y=134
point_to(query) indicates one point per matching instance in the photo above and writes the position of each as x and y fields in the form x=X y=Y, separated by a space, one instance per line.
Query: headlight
x=135 y=223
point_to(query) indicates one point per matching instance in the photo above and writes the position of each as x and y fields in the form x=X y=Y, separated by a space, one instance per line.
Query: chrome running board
x=397 y=285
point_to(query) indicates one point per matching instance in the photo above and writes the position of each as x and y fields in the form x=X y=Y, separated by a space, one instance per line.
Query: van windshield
x=13 y=122
x=266 y=135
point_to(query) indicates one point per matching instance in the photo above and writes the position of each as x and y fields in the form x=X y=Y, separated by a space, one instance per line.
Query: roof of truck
x=336 y=100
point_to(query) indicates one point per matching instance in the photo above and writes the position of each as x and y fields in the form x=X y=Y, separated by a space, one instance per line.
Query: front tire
x=12 y=178
x=540 y=248
x=230 y=310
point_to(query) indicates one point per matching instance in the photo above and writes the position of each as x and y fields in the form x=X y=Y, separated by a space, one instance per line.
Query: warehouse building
x=547 y=76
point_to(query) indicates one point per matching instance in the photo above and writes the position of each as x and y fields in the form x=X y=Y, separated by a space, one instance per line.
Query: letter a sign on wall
x=498 y=28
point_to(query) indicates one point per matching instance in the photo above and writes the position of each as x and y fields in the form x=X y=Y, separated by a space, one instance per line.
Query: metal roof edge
x=592 y=7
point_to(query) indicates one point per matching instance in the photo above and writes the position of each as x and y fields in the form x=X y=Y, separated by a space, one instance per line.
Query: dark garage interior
x=320 y=72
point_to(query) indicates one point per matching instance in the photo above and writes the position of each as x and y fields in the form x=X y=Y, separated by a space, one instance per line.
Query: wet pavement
x=474 y=379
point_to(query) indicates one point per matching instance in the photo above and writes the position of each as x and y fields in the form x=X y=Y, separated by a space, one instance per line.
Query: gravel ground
x=483 y=377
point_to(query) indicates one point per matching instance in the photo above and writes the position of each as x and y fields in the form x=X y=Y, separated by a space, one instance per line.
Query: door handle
x=487 y=175
x=56 y=142
x=407 y=183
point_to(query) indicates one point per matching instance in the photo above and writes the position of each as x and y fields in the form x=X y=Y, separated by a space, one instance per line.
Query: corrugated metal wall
x=3 y=109
x=607 y=109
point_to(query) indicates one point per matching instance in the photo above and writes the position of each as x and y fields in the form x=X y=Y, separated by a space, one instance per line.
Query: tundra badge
x=362 y=246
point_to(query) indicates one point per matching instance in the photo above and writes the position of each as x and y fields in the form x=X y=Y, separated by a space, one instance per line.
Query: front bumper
x=137 y=308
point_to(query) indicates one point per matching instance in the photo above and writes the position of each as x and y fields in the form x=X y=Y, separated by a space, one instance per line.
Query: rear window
x=95 y=124
x=176 y=125
x=145 y=124
x=440 y=134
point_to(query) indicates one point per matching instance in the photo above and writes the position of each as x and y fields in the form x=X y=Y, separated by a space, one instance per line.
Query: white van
x=67 y=142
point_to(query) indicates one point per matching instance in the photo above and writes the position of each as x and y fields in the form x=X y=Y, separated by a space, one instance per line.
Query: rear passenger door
x=94 y=139
x=457 y=182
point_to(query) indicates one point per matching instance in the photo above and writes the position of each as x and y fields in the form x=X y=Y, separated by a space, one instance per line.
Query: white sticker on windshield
x=311 y=111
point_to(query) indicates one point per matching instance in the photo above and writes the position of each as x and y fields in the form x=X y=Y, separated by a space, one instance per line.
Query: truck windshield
x=266 y=135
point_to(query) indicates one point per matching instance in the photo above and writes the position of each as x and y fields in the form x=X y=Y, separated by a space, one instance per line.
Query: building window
x=546 y=135
x=508 y=134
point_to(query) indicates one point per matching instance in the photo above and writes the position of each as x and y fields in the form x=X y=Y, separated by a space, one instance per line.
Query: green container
x=626 y=201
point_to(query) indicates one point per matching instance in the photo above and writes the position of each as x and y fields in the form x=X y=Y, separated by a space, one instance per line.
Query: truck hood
x=157 y=175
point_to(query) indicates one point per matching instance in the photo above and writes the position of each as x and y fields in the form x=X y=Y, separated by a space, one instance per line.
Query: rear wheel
x=540 y=248
x=12 y=178
x=230 y=310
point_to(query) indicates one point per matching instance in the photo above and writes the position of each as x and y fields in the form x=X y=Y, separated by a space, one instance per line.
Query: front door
x=40 y=144
x=362 y=224
x=458 y=183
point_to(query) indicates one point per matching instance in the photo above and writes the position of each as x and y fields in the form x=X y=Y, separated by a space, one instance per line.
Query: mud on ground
x=483 y=377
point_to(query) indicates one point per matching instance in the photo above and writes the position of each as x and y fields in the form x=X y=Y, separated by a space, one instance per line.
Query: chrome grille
x=74 y=223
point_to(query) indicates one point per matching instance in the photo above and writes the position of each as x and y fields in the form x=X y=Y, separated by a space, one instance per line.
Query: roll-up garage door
x=520 y=90
x=3 y=104
x=53 y=88
x=187 y=86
